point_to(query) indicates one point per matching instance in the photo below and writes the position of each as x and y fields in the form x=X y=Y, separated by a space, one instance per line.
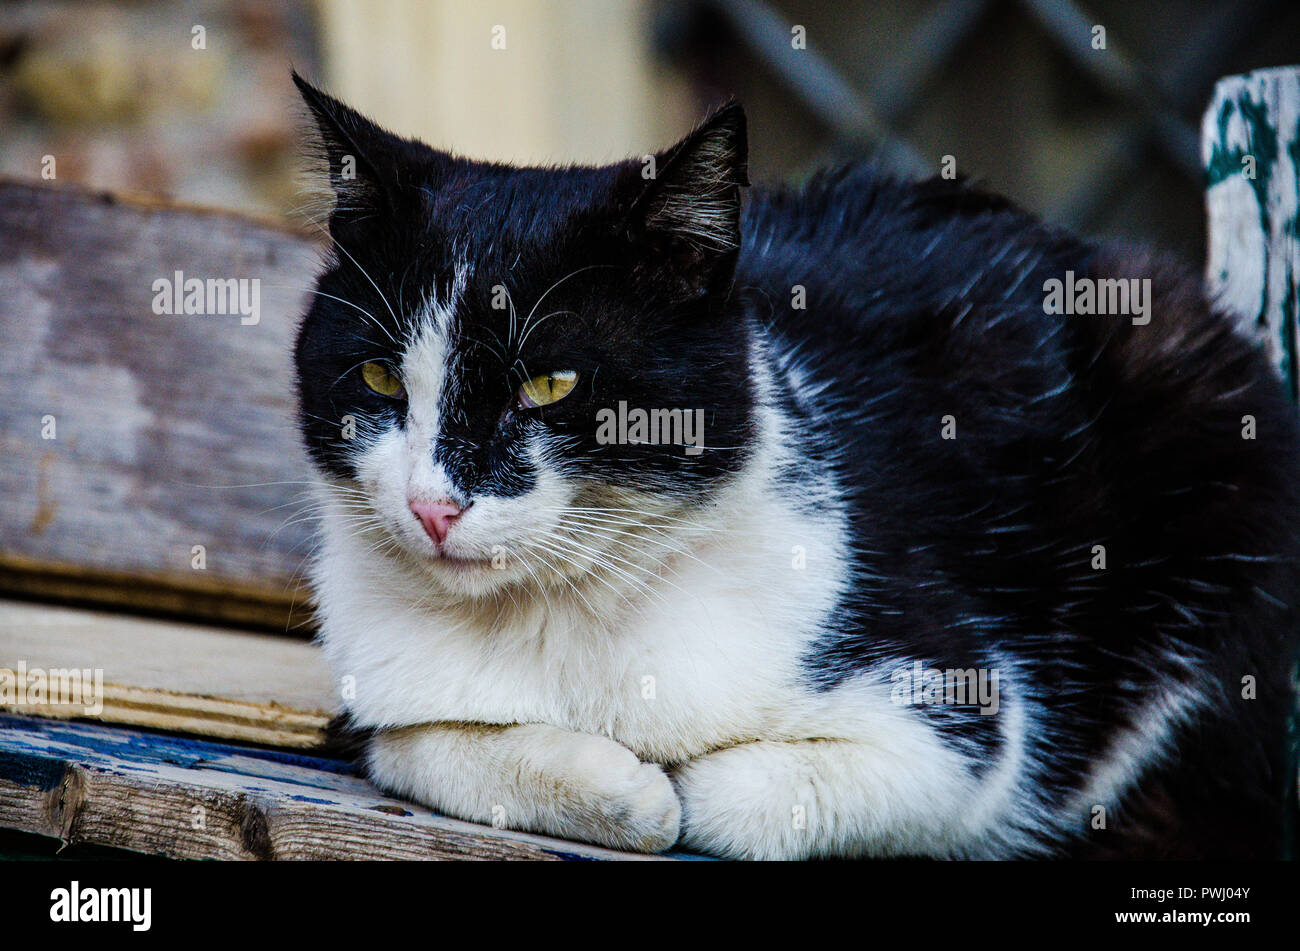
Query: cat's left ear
x=689 y=212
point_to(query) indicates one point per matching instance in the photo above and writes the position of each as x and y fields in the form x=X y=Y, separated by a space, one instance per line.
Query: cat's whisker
x=540 y=320
x=609 y=518
x=356 y=366
x=310 y=289
x=366 y=275
x=601 y=559
x=510 y=336
x=604 y=532
x=533 y=551
x=499 y=354
x=256 y=485
x=568 y=517
x=647 y=518
x=547 y=292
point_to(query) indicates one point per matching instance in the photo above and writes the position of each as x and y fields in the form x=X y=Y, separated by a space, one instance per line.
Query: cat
x=943 y=573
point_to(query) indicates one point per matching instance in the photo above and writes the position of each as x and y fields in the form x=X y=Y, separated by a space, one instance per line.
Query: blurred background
x=191 y=100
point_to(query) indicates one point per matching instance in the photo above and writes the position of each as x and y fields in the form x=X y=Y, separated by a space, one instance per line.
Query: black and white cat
x=903 y=564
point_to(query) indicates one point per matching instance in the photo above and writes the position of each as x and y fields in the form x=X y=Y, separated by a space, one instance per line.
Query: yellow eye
x=382 y=380
x=547 y=388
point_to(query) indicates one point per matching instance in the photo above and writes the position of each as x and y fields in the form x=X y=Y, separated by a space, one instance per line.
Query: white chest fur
x=709 y=658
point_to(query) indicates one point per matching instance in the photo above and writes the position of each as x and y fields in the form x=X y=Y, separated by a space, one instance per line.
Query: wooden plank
x=183 y=677
x=1250 y=146
x=130 y=437
x=87 y=783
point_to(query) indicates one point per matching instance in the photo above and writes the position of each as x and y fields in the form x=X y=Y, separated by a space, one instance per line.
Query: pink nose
x=437 y=517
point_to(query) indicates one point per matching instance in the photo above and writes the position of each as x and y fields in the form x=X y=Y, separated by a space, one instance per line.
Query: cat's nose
x=437 y=517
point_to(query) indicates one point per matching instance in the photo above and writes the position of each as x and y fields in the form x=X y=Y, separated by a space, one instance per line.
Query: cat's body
x=906 y=466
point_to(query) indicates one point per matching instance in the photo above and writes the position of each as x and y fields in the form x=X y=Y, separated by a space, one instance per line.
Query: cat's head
x=484 y=339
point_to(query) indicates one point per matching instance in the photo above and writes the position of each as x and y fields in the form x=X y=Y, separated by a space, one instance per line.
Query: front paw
x=597 y=790
x=532 y=777
x=738 y=805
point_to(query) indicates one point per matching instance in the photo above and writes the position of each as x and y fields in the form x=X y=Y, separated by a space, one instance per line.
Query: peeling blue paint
x=34 y=772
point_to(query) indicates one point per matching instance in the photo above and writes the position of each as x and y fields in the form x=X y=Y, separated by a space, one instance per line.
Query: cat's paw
x=531 y=777
x=599 y=792
x=739 y=803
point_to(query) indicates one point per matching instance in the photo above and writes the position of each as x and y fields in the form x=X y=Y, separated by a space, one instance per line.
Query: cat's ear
x=368 y=166
x=691 y=204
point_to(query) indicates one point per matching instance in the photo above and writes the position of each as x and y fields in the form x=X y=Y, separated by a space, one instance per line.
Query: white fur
x=1148 y=741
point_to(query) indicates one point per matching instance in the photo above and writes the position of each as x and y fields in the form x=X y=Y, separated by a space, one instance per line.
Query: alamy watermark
x=653 y=427
x=211 y=297
x=38 y=687
x=133 y=906
x=969 y=686
x=1107 y=296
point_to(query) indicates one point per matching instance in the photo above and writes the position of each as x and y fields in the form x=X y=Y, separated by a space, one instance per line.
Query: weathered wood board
x=1250 y=146
x=187 y=678
x=129 y=436
x=87 y=783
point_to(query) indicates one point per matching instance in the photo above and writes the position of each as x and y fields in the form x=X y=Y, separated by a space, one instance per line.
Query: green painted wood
x=1250 y=147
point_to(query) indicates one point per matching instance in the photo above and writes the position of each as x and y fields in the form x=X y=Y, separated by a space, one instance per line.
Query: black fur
x=927 y=301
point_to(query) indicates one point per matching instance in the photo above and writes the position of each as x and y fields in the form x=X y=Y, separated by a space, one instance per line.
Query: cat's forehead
x=491 y=222
x=424 y=362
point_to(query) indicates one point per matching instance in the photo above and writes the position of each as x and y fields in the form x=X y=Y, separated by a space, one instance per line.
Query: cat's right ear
x=686 y=220
x=368 y=165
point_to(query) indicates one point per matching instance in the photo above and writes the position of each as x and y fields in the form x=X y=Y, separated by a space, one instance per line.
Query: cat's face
x=474 y=361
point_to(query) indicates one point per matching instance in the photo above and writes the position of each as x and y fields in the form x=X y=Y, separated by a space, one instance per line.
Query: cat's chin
x=449 y=562
x=456 y=564
x=463 y=576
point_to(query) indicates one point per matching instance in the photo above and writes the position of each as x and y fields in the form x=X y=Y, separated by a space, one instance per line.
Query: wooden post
x=1250 y=147
x=513 y=80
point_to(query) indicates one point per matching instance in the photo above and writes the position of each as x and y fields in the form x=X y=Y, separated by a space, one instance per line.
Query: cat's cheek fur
x=383 y=470
x=533 y=778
